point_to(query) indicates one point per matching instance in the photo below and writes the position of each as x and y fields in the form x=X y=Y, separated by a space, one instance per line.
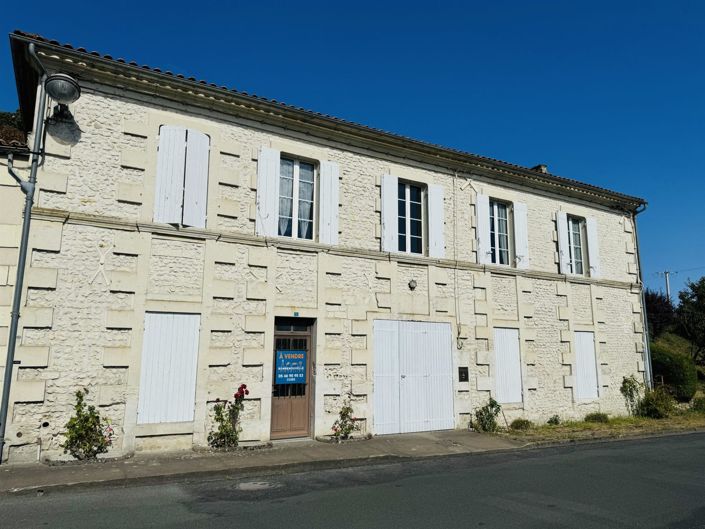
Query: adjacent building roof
x=12 y=140
x=26 y=79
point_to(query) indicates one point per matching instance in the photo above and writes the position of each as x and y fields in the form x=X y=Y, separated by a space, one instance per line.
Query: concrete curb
x=325 y=464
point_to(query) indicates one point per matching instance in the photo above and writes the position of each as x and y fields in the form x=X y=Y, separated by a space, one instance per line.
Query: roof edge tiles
x=440 y=155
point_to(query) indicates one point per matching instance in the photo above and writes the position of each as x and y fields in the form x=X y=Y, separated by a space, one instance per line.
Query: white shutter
x=507 y=366
x=426 y=376
x=436 y=222
x=585 y=366
x=593 y=246
x=482 y=228
x=390 y=194
x=563 y=250
x=329 y=198
x=169 y=189
x=386 y=376
x=196 y=179
x=521 y=235
x=267 y=192
x=168 y=370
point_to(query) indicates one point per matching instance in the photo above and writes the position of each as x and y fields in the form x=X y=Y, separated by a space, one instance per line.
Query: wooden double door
x=291 y=401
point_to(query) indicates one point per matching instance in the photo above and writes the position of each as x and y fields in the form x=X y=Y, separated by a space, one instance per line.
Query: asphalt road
x=643 y=483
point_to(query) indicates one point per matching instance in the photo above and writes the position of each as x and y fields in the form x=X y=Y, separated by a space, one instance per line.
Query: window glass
x=576 y=227
x=499 y=233
x=410 y=218
x=296 y=217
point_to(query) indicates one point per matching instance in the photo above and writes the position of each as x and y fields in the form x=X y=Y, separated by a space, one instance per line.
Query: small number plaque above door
x=290 y=367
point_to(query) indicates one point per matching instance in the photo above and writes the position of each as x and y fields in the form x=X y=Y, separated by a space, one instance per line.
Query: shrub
x=520 y=424
x=227 y=417
x=597 y=417
x=87 y=434
x=631 y=390
x=486 y=417
x=677 y=371
x=555 y=420
x=656 y=404
x=698 y=405
x=345 y=424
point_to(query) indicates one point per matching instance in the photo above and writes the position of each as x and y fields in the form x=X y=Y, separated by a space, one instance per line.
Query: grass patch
x=615 y=427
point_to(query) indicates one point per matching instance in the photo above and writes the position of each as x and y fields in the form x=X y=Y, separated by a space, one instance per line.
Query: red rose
x=247 y=392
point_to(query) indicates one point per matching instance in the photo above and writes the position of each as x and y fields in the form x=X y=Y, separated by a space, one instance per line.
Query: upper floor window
x=413 y=217
x=502 y=232
x=181 y=191
x=576 y=245
x=500 y=237
x=410 y=204
x=296 y=198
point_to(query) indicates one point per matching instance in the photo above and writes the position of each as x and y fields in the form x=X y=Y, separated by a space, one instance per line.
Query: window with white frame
x=500 y=233
x=410 y=227
x=576 y=245
x=297 y=183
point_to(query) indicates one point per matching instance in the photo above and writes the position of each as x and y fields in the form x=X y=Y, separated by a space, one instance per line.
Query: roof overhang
x=92 y=66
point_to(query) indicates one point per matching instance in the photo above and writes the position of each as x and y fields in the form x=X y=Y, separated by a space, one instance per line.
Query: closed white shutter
x=390 y=231
x=267 y=192
x=426 y=376
x=386 y=377
x=169 y=189
x=521 y=235
x=593 y=246
x=563 y=250
x=585 y=366
x=168 y=370
x=328 y=229
x=482 y=229
x=196 y=179
x=436 y=222
x=507 y=366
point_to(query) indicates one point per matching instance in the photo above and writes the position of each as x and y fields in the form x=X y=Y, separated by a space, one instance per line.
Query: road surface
x=642 y=483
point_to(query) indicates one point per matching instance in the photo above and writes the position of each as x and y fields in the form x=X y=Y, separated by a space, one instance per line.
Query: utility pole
x=667 y=275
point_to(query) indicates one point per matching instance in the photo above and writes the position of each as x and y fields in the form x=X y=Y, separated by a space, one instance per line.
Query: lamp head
x=62 y=88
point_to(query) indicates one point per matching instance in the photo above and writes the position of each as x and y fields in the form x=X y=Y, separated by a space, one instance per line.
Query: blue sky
x=610 y=93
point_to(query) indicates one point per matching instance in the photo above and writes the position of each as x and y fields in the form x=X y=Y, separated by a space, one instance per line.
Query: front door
x=291 y=388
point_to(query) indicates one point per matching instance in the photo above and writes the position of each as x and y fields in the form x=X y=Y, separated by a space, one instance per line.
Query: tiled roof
x=493 y=161
x=12 y=138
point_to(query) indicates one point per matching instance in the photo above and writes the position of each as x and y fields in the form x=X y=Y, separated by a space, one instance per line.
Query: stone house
x=188 y=238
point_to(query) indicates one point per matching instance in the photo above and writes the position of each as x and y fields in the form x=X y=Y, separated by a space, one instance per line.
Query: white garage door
x=413 y=389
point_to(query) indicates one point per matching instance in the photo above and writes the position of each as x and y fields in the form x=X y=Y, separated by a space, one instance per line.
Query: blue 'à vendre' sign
x=290 y=367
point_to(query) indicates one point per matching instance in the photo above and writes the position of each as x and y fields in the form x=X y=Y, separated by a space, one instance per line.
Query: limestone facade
x=98 y=262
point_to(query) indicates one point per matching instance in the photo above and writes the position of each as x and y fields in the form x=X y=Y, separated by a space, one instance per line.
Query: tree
x=691 y=317
x=660 y=314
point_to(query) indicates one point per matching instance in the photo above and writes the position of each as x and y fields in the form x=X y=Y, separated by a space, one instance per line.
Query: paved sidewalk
x=282 y=457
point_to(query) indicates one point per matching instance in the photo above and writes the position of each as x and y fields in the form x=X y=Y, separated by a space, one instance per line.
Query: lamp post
x=64 y=90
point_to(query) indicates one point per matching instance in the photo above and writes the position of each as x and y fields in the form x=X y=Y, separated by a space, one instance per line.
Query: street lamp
x=64 y=90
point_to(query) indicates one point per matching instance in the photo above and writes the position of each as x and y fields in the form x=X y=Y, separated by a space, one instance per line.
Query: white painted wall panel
x=508 y=382
x=390 y=232
x=329 y=200
x=171 y=160
x=168 y=370
x=196 y=179
x=482 y=229
x=386 y=377
x=585 y=366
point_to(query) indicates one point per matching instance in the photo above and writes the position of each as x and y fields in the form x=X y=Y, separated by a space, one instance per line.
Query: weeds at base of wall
x=87 y=433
